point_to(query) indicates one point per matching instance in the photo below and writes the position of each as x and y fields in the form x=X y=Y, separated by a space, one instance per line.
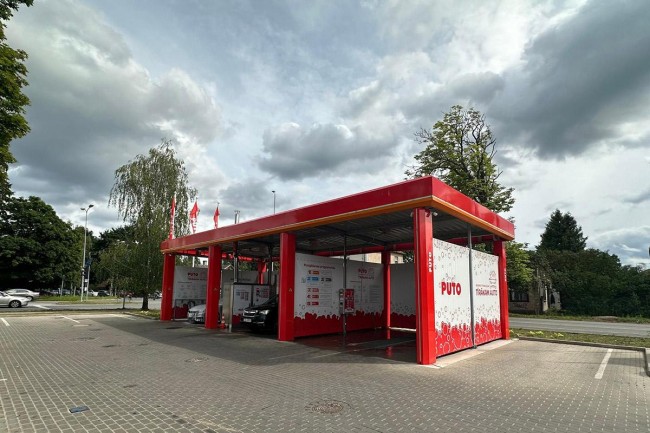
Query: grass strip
x=560 y=316
x=588 y=338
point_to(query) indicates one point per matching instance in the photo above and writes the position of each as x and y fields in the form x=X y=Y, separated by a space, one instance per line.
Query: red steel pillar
x=169 y=262
x=286 y=286
x=213 y=287
x=425 y=326
x=499 y=250
x=261 y=270
x=385 y=315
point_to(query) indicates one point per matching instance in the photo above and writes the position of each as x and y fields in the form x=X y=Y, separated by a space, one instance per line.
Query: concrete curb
x=645 y=351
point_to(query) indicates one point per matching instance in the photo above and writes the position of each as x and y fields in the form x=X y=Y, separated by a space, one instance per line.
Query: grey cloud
x=293 y=152
x=629 y=244
x=92 y=106
x=252 y=197
x=582 y=79
x=478 y=88
x=638 y=198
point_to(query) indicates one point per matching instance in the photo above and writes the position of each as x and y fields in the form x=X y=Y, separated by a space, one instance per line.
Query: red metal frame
x=213 y=287
x=418 y=195
x=169 y=263
x=499 y=250
x=261 y=270
x=425 y=325
x=286 y=289
x=422 y=192
x=385 y=315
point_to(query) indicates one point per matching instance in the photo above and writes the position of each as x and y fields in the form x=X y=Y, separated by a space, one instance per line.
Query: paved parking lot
x=139 y=375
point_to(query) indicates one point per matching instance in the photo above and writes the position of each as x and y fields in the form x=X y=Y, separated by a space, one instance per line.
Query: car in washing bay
x=7 y=300
x=263 y=316
x=196 y=314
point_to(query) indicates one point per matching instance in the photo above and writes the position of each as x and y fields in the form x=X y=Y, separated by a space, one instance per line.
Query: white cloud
x=321 y=100
x=93 y=107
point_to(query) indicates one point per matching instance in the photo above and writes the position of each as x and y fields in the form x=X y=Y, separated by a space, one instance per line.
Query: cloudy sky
x=320 y=99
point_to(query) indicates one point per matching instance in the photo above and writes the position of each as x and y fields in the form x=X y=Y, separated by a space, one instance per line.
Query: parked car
x=7 y=300
x=103 y=293
x=24 y=293
x=263 y=316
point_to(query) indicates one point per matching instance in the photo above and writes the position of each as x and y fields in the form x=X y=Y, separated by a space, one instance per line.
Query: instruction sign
x=348 y=301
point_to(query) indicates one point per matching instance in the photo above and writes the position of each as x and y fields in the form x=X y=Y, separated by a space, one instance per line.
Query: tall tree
x=13 y=75
x=143 y=193
x=519 y=271
x=562 y=233
x=37 y=248
x=459 y=151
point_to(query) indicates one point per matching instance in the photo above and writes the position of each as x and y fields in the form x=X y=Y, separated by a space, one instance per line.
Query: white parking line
x=601 y=369
x=5 y=322
x=40 y=306
x=75 y=321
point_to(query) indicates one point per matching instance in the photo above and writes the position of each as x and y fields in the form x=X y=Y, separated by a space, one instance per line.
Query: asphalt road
x=133 y=304
x=583 y=327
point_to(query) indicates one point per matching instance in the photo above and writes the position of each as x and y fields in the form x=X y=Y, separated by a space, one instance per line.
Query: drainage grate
x=327 y=407
x=174 y=327
x=129 y=386
x=79 y=409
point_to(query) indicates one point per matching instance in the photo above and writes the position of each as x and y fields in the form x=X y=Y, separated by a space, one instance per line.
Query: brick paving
x=139 y=375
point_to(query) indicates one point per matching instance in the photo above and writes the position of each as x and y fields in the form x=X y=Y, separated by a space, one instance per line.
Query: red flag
x=171 y=218
x=194 y=215
x=216 y=217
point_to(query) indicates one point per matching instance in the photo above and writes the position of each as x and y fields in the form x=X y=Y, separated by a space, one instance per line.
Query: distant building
x=536 y=300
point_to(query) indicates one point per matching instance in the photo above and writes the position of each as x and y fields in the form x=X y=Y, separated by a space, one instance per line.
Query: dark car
x=263 y=316
x=102 y=293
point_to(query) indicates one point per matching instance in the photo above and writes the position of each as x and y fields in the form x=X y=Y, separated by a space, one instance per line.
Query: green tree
x=562 y=233
x=143 y=193
x=37 y=248
x=111 y=251
x=588 y=280
x=115 y=265
x=13 y=101
x=459 y=151
x=519 y=272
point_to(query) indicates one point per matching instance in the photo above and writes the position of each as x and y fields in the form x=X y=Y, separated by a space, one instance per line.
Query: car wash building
x=453 y=294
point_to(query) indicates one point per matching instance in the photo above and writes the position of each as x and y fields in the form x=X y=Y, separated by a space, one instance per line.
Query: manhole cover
x=327 y=406
x=196 y=359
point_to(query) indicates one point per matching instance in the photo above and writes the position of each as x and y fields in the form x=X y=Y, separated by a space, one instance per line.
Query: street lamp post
x=83 y=260
x=273 y=201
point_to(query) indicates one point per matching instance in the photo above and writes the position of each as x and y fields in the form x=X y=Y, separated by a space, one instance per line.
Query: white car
x=24 y=293
x=12 y=301
x=196 y=314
